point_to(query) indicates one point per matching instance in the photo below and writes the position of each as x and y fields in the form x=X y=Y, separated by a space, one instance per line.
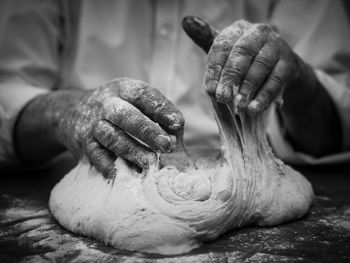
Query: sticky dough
x=176 y=205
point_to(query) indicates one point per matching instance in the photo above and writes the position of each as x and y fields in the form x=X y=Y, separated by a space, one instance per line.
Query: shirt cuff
x=14 y=95
x=340 y=95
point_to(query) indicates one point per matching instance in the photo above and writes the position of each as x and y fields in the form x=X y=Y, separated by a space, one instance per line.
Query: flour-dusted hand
x=112 y=121
x=250 y=64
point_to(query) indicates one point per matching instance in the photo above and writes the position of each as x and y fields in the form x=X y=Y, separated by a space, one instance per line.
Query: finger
x=101 y=159
x=121 y=144
x=239 y=60
x=153 y=104
x=200 y=31
x=230 y=79
x=130 y=119
x=257 y=74
x=274 y=85
x=218 y=56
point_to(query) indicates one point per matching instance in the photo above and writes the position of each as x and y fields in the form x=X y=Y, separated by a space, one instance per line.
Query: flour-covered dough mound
x=175 y=205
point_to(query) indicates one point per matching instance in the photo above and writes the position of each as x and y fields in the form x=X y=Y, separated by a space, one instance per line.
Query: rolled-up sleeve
x=30 y=45
x=320 y=34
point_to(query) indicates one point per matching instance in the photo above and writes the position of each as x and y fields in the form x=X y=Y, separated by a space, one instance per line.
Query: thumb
x=199 y=31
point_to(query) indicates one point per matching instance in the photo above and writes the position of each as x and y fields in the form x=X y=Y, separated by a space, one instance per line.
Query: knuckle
x=263 y=63
x=137 y=154
x=162 y=105
x=128 y=150
x=221 y=45
x=267 y=94
x=143 y=129
x=118 y=134
x=119 y=143
x=91 y=147
x=222 y=42
x=161 y=108
x=103 y=89
x=265 y=28
x=111 y=140
x=239 y=26
x=106 y=134
x=249 y=84
x=241 y=22
x=215 y=67
x=232 y=71
x=213 y=74
x=219 y=52
x=133 y=153
x=100 y=128
x=114 y=108
x=96 y=157
x=114 y=139
x=277 y=80
x=127 y=83
x=242 y=50
x=135 y=92
x=144 y=157
x=142 y=89
x=103 y=164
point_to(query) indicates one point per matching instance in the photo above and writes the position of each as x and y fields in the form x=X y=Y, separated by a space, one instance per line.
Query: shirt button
x=165 y=30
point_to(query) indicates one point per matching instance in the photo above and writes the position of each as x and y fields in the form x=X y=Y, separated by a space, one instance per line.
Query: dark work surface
x=29 y=233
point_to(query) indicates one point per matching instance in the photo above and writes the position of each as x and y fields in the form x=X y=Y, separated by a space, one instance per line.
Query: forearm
x=310 y=117
x=36 y=135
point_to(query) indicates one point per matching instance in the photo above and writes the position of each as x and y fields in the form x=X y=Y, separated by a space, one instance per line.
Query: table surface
x=29 y=233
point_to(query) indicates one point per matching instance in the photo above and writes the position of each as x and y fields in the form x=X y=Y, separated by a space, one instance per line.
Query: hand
x=249 y=64
x=114 y=119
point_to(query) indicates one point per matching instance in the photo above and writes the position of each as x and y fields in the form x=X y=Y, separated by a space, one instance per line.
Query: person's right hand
x=125 y=118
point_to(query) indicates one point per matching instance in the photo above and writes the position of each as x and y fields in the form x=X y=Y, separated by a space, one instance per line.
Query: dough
x=179 y=203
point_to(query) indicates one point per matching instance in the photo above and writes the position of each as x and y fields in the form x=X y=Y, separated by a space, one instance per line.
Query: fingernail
x=177 y=120
x=237 y=99
x=223 y=94
x=254 y=107
x=210 y=86
x=112 y=173
x=147 y=160
x=175 y=126
x=163 y=143
x=235 y=89
x=152 y=159
x=240 y=101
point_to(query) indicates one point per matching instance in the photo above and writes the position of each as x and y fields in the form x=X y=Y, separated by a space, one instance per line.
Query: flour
x=174 y=206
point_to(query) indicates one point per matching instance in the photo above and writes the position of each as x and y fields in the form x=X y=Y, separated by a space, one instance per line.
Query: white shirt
x=47 y=45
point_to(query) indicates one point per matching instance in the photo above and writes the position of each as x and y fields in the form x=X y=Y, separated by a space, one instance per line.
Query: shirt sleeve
x=29 y=61
x=319 y=32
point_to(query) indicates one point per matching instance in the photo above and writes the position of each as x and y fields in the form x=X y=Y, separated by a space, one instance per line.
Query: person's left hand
x=249 y=64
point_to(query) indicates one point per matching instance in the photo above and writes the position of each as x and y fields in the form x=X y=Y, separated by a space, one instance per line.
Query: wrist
x=62 y=116
x=36 y=133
